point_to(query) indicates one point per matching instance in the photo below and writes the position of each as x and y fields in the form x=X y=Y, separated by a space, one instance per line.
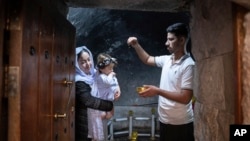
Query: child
x=108 y=88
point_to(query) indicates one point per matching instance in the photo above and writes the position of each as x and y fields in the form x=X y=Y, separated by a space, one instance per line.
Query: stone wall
x=212 y=42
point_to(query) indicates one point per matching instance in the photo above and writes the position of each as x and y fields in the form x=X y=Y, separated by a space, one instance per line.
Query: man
x=176 y=84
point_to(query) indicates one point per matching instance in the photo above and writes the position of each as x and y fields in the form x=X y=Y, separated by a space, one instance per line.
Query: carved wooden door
x=63 y=85
x=40 y=74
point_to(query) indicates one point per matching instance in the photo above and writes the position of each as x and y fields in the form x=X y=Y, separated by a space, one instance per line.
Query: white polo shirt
x=174 y=77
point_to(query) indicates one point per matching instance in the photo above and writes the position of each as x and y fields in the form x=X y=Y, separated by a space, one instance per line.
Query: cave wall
x=212 y=41
x=104 y=30
x=138 y=5
x=215 y=76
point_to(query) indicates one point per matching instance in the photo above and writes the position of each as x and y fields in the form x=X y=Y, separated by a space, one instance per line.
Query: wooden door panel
x=3 y=102
x=71 y=69
x=45 y=115
x=59 y=88
x=29 y=84
x=44 y=56
x=63 y=84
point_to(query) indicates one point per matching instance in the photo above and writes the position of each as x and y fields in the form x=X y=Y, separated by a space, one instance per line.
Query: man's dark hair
x=179 y=29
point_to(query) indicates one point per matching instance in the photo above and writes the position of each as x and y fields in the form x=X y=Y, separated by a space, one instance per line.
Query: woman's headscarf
x=80 y=75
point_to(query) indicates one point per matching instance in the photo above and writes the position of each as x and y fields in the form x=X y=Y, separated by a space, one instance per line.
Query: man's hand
x=132 y=41
x=149 y=91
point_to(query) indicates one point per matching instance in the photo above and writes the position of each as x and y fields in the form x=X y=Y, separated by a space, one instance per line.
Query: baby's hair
x=104 y=59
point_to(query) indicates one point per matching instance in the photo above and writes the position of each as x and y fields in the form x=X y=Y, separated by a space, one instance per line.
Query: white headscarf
x=80 y=75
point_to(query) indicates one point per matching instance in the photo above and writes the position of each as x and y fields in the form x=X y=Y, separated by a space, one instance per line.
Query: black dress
x=84 y=100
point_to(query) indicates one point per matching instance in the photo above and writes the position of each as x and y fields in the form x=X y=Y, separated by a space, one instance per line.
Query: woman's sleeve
x=84 y=97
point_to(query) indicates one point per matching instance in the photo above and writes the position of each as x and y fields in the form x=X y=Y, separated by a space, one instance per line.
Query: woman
x=84 y=79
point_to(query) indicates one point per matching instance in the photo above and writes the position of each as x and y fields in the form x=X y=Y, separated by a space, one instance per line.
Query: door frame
x=239 y=36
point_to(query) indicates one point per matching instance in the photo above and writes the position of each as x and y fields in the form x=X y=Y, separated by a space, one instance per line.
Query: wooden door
x=44 y=73
x=3 y=102
x=63 y=82
x=42 y=60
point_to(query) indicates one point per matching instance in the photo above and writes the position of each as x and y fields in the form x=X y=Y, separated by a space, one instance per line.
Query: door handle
x=56 y=116
x=67 y=82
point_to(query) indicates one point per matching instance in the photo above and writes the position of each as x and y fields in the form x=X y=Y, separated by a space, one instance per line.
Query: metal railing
x=132 y=134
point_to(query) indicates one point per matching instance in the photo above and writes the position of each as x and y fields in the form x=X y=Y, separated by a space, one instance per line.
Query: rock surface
x=103 y=30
